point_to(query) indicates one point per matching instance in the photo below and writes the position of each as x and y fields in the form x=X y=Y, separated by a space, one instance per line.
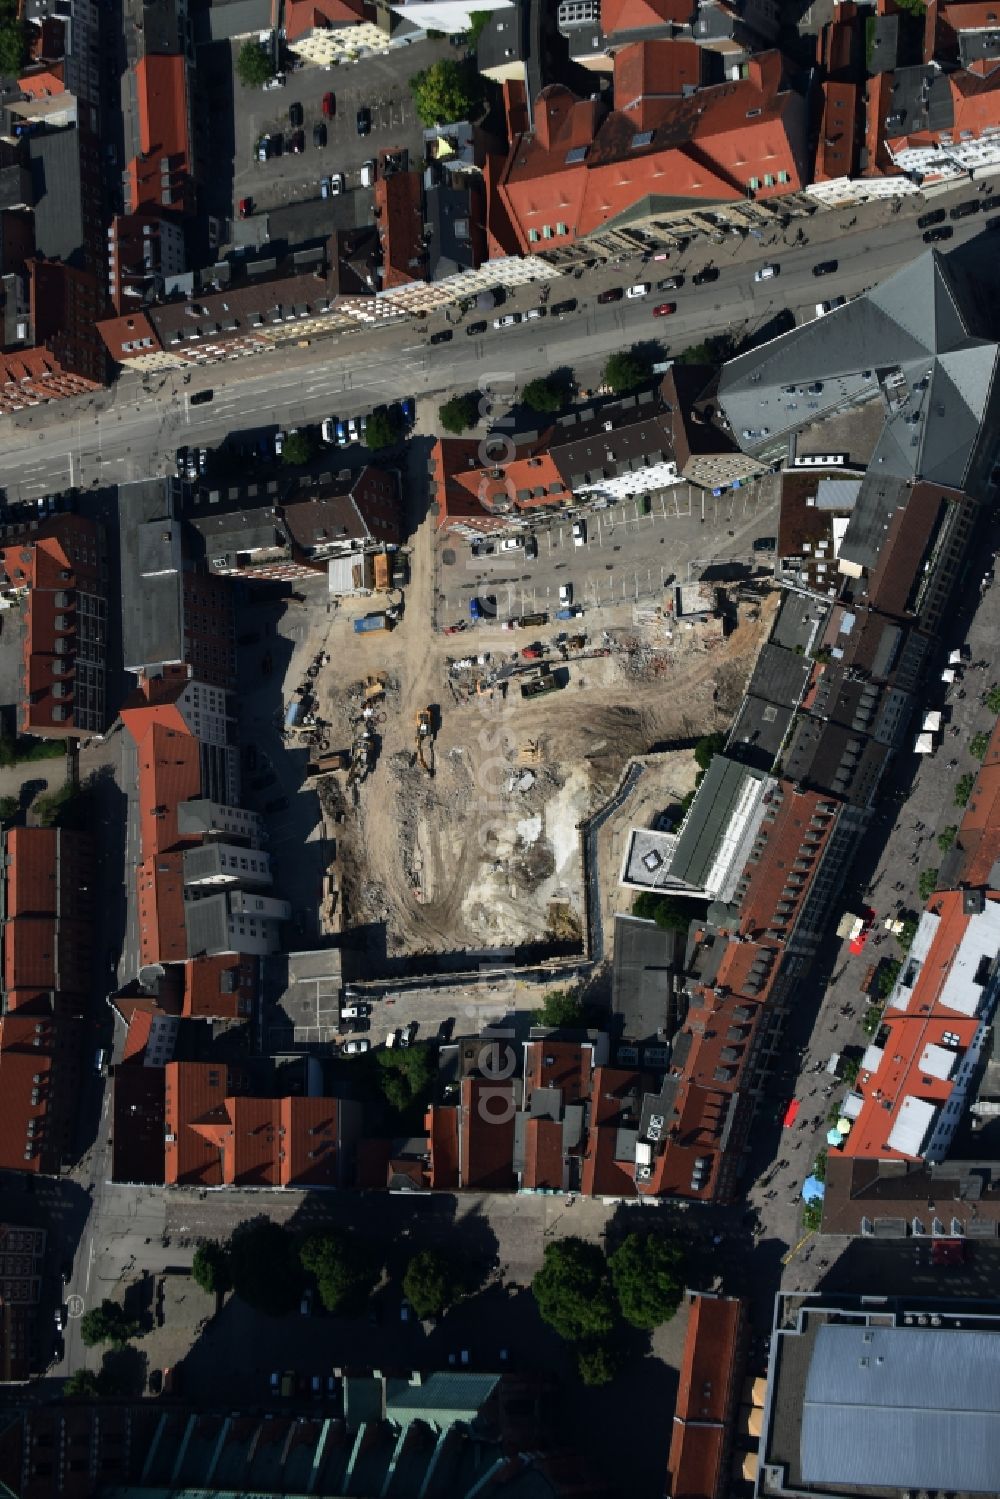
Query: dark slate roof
x=58 y=195
x=645 y=956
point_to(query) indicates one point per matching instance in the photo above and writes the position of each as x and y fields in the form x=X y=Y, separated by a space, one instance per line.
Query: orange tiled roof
x=837 y=145
x=705 y=148
x=904 y=1070
x=303 y=16
x=641 y=15
x=221 y=987
x=399 y=216
x=441 y=1124
x=979 y=833
x=543 y=1154
x=162 y=104
x=704 y=1403
x=614 y=1090
x=650 y=75
x=487 y=1135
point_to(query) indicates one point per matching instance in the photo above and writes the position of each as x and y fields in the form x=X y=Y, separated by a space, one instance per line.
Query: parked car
x=706 y=274
x=245 y=208
x=328 y=430
x=928 y=220
x=531 y=546
x=364 y=120
x=934 y=236
x=407 y=411
x=613 y=294
x=665 y=309
x=295 y=116
x=508 y=320
x=670 y=283
x=336 y=184
x=306 y=1304
x=825 y=268
x=329 y=105
x=297 y=142
x=766 y=272
x=279 y=444
x=964 y=210
x=60 y=1319
x=579 y=533
x=277 y=81
x=405 y=1311
x=355 y=1012
x=355 y=1048
x=822 y=308
x=200 y=397
x=319 y=133
x=641 y=289
x=565 y=594
x=484 y=607
x=534 y=312
x=442 y=336
x=511 y=544
x=474 y=329
x=563 y=309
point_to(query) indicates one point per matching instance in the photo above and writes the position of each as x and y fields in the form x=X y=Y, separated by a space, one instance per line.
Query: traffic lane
x=38 y=461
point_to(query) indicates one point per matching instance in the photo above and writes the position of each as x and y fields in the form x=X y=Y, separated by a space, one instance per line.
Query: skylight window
x=642 y=138
x=578 y=153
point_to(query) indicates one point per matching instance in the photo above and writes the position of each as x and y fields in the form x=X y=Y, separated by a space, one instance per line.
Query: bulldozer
x=424 y=740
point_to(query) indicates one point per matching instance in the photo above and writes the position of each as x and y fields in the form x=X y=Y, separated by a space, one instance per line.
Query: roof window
x=642 y=138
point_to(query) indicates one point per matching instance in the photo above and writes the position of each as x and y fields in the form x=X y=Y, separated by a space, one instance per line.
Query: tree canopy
x=573 y=1291
x=430 y=1283
x=13 y=40
x=107 y=1323
x=669 y=913
x=460 y=413
x=544 y=394
x=82 y=1384
x=561 y=1007
x=405 y=1075
x=344 y=1266
x=707 y=748
x=647 y=1273
x=624 y=371
x=383 y=430
x=254 y=65
x=210 y=1268
x=598 y=1363
x=446 y=91
x=265 y=1267
x=297 y=449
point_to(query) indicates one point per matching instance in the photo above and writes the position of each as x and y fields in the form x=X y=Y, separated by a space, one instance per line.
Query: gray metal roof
x=922 y=342
x=709 y=819
x=903 y=1407
x=151 y=579
x=645 y=954
x=58 y=192
x=206 y=922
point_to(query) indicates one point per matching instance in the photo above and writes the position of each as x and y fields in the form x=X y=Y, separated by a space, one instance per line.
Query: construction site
x=453 y=786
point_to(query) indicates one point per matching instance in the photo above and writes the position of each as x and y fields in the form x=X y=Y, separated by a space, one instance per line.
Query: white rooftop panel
x=938 y=1061
x=912 y=1125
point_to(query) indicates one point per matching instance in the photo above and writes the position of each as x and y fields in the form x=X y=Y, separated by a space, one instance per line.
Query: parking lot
x=629 y=556
x=379 y=84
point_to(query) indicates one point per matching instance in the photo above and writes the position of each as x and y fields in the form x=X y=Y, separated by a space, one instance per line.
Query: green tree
x=255 y=65
x=993 y=699
x=927 y=883
x=210 y=1268
x=8 y=755
x=82 y=1384
x=544 y=394
x=978 y=745
x=647 y=1273
x=13 y=45
x=345 y=1269
x=446 y=91
x=561 y=1007
x=887 y=975
x=849 y=1069
x=297 y=448
x=9 y=807
x=963 y=789
x=906 y=936
x=573 y=1292
x=946 y=837
x=107 y=1323
x=670 y=914
x=819 y=1166
x=265 y=1267
x=624 y=371
x=459 y=414
x=478 y=22
x=598 y=1362
x=55 y=808
x=430 y=1283
x=384 y=429
x=406 y=1077
x=707 y=748
x=870 y=1025
x=812 y=1216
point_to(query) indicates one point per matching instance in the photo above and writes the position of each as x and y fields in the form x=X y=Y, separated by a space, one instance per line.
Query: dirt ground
x=485 y=851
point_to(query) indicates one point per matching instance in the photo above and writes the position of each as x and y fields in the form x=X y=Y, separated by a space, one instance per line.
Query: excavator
x=424 y=740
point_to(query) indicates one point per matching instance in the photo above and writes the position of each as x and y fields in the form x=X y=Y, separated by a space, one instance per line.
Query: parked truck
x=368 y=623
x=338 y=760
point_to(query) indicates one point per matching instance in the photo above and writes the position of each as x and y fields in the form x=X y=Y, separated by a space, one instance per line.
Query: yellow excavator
x=424 y=740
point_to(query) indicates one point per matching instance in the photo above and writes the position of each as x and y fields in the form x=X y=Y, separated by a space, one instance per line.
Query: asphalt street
x=136 y=427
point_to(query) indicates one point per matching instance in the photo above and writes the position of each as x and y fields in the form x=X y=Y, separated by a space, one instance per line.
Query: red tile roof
x=194 y=1095
x=615 y=1102
x=543 y=1154
x=441 y=1124
x=487 y=1135
x=837 y=146
x=978 y=838
x=138 y=1124
x=451 y=459
x=164 y=149
x=705 y=148
x=399 y=218
x=220 y=988
x=303 y=16
x=648 y=75
x=907 y=1069
x=565 y=1065
x=40 y=1064
x=641 y=15
x=705 y=1399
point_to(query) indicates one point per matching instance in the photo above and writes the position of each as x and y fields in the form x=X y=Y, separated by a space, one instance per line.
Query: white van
x=766 y=272
x=368 y=174
x=390 y=1039
x=641 y=289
